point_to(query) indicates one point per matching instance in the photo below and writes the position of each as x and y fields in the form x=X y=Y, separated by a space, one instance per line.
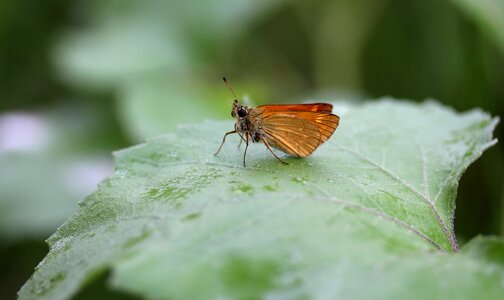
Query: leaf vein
x=448 y=233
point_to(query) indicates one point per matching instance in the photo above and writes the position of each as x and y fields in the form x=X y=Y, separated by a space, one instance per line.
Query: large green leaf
x=368 y=215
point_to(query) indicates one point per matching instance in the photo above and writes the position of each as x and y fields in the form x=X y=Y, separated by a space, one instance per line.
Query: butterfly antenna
x=229 y=87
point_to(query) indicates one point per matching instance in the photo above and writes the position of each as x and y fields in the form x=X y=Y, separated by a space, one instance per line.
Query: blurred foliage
x=488 y=15
x=42 y=181
x=17 y=262
x=146 y=66
x=27 y=32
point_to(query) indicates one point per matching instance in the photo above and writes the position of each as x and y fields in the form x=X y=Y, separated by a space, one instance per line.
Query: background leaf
x=131 y=38
x=374 y=206
x=149 y=107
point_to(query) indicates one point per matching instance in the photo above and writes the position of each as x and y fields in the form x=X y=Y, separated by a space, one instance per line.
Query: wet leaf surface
x=368 y=215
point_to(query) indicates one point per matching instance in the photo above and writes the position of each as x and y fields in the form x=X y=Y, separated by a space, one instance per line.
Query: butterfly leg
x=267 y=146
x=223 y=140
x=241 y=139
x=246 y=146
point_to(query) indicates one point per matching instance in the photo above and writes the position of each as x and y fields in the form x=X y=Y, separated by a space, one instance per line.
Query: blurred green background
x=79 y=79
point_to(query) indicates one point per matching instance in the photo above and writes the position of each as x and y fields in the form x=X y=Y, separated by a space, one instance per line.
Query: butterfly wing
x=326 y=123
x=291 y=135
x=295 y=132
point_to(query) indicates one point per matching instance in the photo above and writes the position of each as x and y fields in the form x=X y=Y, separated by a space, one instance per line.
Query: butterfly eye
x=242 y=112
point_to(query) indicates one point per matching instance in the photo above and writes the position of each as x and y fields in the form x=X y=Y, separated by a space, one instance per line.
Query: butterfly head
x=239 y=110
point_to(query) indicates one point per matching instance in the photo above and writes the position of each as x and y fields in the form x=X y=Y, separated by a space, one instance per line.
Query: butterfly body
x=249 y=126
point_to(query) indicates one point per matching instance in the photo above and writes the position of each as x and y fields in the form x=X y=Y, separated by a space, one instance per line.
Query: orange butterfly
x=296 y=129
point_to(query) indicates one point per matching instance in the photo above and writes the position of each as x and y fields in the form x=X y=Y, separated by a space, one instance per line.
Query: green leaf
x=368 y=215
